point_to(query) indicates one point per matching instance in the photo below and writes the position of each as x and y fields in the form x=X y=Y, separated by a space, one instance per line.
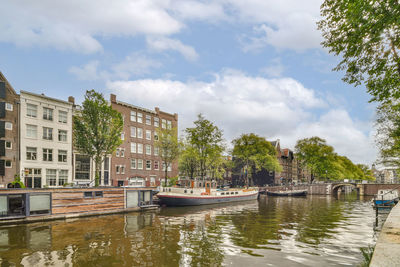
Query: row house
x=9 y=132
x=45 y=140
x=137 y=161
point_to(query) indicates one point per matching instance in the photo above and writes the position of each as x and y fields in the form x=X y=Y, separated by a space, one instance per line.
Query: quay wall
x=387 y=247
x=313 y=189
x=372 y=189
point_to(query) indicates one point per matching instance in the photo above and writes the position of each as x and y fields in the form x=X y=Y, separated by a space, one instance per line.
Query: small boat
x=386 y=198
x=288 y=193
x=204 y=196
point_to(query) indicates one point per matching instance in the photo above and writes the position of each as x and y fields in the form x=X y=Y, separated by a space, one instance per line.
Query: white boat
x=386 y=197
x=172 y=196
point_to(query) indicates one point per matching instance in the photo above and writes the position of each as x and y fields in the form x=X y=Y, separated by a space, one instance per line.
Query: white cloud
x=238 y=103
x=163 y=44
x=135 y=64
x=76 y=24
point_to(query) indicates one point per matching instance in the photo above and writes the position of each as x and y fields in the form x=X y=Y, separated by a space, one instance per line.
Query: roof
x=135 y=107
x=45 y=97
x=3 y=78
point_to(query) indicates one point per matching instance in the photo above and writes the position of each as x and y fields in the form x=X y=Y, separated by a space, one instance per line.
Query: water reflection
x=276 y=231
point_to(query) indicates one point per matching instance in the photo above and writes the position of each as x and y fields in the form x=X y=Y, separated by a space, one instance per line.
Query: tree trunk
x=166 y=174
x=97 y=173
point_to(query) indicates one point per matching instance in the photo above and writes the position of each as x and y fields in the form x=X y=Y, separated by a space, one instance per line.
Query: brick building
x=137 y=162
x=9 y=132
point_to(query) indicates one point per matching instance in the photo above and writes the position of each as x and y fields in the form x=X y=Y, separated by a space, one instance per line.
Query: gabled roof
x=8 y=85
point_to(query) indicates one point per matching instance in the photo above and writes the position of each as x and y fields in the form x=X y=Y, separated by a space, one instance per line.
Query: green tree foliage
x=188 y=160
x=168 y=146
x=254 y=153
x=97 y=129
x=316 y=155
x=206 y=140
x=388 y=133
x=367 y=172
x=366 y=34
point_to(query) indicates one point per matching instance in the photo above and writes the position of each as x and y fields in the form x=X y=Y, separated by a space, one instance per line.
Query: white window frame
x=140 y=148
x=65 y=156
x=49 y=151
x=31 y=127
x=158 y=165
x=169 y=125
x=148 y=161
x=5 y=164
x=117 y=152
x=31 y=110
x=31 y=153
x=140 y=164
x=148 y=149
x=156 y=151
x=139 y=132
x=47 y=130
x=122 y=153
x=156 y=122
x=48 y=114
x=62 y=135
x=62 y=118
x=122 y=136
x=133 y=148
x=133 y=115
x=9 y=106
x=133 y=131
x=139 y=117
x=148 y=119
x=163 y=123
x=133 y=164
x=148 y=134
x=8 y=147
x=62 y=176
x=8 y=125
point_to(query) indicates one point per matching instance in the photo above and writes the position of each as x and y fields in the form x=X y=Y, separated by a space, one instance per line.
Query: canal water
x=273 y=231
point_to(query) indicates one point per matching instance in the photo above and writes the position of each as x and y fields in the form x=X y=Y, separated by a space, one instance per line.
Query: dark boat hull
x=287 y=194
x=169 y=200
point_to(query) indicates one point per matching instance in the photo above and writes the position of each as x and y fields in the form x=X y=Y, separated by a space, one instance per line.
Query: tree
x=316 y=155
x=206 y=140
x=388 y=133
x=188 y=160
x=254 y=153
x=97 y=129
x=168 y=147
x=366 y=34
x=367 y=172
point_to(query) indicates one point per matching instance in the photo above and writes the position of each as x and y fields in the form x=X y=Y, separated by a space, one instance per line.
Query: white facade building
x=45 y=141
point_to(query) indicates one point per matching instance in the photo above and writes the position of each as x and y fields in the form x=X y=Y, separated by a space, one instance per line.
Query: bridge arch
x=336 y=187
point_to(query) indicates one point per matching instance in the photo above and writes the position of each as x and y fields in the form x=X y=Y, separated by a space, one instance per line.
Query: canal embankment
x=387 y=247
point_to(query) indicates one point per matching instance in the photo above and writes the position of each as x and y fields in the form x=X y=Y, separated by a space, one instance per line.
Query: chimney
x=157 y=109
x=176 y=116
x=113 y=98
x=71 y=100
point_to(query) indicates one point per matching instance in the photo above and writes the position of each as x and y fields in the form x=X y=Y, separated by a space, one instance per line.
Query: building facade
x=9 y=132
x=137 y=161
x=45 y=141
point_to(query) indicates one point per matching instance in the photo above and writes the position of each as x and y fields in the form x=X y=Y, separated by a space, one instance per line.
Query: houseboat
x=27 y=205
x=287 y=193
x=176 y=196
x=386 y=198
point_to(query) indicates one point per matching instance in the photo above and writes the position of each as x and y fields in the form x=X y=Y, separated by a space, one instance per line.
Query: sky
x=246 y=65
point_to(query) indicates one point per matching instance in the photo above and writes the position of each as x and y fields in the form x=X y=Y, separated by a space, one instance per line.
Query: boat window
x=222 y=193
x=191 y=191
x=236 y=193
x=98 y=194
x=185 y=191
x=87 y=194
x=39 y=204
x=232 y=193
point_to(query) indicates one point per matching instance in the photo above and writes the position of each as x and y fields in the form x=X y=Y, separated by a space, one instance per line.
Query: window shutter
x=2 y=90
x=2 y=128
x=2 y=167
x=2 y=148
x=2 y=109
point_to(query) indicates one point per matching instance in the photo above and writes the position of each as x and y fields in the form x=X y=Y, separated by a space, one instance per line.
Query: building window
x=133 y=164
x=47 y=154
x=9 y=107
x=122 y=136
x=62 y=177
x=31 y=110
x=133 y=131
x=117 y=168
x=31 y=153
x=169 y=125
x=8 y=145
x=133 y=147
x=122 y=152
x=139 y=117
x=31 y=131
x=148 y=134
x=169 y=167
x=156 y=151
x=8 y=125
x=156 y=136
x=140 y=164
x=156 y=122
x=148 y=164
x=47 y=133
x=140 y=148
x=62 y=116
x=51 y=177
x=62 y=136
x=82 y=167
x=156 y=165
x=148 y=119
x=62 y=155
x=47 y=114
x=148 y=149
x=117 y=152
x=139 y=132
x=163 y=124
x=133 y=115
x=122 y=169
x=8 y=164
